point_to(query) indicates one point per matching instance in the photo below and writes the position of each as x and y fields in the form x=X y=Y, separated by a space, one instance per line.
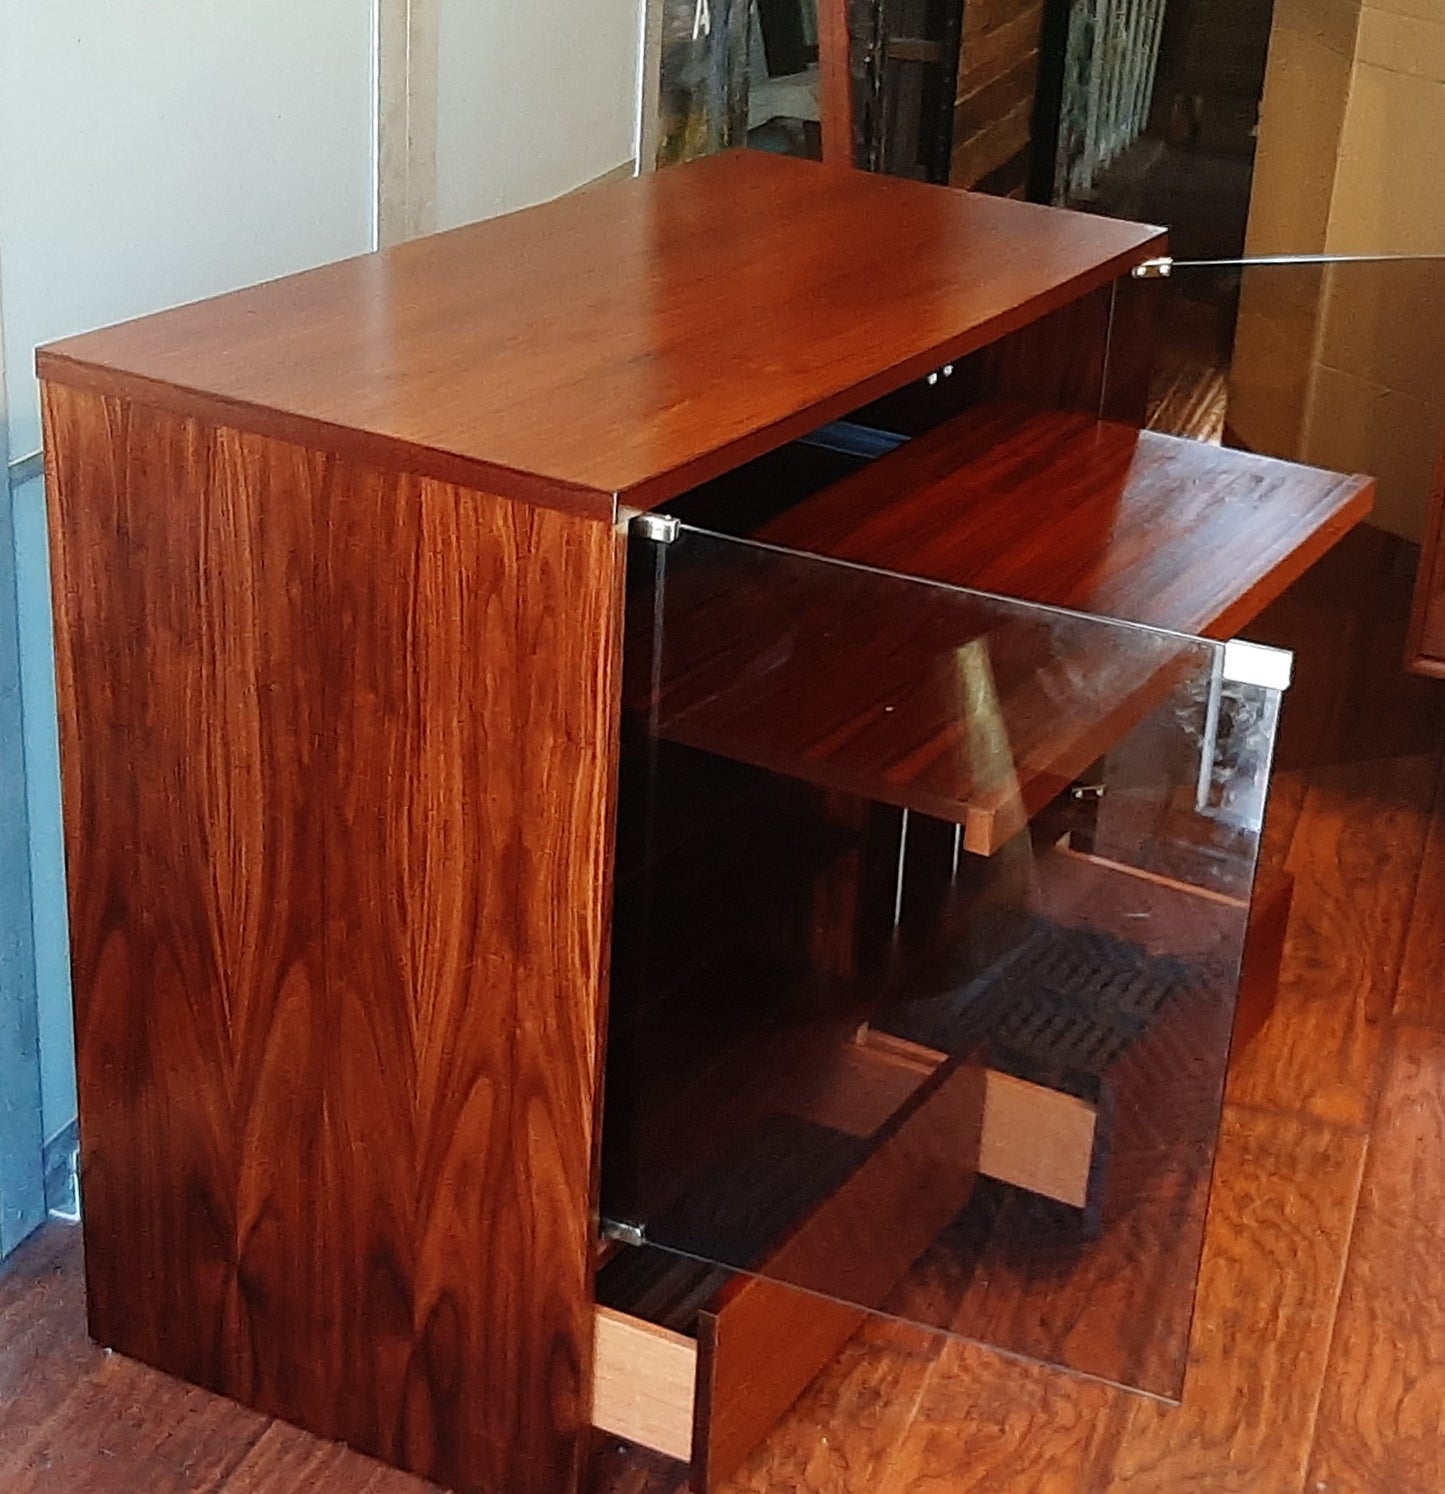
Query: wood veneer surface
x=888 y=687
x=338 y=773
x=631 y=340
x=893 y=1416
x=1382 y=1414
x=1055 y=508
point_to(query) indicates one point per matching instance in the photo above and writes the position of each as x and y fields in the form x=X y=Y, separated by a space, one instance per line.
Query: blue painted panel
x=42 y=785
x=22 y=1179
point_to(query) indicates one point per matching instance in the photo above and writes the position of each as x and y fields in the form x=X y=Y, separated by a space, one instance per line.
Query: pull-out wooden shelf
x=1052 y=507
x=865 y=682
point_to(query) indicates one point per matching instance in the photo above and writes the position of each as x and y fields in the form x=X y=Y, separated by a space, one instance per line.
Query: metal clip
x=624 y=1231
x=661 y=528
x=1154 y=269
x=1256 y=664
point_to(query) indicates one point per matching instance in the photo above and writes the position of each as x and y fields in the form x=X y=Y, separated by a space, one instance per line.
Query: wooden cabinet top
x=622 y=343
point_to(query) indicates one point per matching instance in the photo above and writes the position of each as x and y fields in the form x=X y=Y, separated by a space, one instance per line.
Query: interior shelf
x=873 y=680
x=1056 y=508
x=897 y=691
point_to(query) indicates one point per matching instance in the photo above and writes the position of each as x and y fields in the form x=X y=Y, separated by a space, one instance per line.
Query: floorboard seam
x=1348 y=1254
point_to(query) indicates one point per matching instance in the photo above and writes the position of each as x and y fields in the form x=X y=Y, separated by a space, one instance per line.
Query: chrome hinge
x=661 y=528
x=624 y=1231
x=1154 y=269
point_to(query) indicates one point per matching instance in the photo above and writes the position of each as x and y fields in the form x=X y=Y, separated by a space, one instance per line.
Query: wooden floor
x=1319 y=1351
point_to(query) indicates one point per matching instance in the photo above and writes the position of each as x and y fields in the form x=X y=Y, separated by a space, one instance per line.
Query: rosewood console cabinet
x=355 y=674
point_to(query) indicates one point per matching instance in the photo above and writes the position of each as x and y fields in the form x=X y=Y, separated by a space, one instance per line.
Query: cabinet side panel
x=337 y=751
x=1095 y=355
x=1425 y=646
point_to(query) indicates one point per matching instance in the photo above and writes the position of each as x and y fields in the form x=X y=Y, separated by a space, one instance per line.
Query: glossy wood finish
x=1271 y=904
x=630 y=341
x=1425 y=646
x=1382 y=1419
x=763 y=1344
x=948 y=704
x=1280 y=1220
x=338 y=755
x=1063 y=510
x=1094 y=356
x=896 y=1416
x=1420 y=994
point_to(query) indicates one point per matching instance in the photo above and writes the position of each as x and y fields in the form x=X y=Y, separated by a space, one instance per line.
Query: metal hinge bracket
x=1154 y=269
x=661 y=528
x=624 y=1231
x=1256 y=664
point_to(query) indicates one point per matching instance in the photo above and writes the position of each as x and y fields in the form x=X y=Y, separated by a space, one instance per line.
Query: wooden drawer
x=698 y=1362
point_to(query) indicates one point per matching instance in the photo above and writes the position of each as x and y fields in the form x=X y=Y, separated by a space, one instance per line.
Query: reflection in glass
x=1338 y=365
x=929 y=915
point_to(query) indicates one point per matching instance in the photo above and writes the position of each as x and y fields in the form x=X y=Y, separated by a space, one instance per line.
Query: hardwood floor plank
x=988 y=1422
x=845 y=1431
x=125 y=1428
x=1382 y=1417
x=1356 y=855
x=287 y=1458
x=1287 y=792
x=1279 y=1227
x=43 y=1350
x=1420 y=995
x=39 y=1260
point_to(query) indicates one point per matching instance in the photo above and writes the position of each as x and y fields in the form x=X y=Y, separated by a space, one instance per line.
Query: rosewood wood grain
x=983 y=1420
x=1264 y=942
x=1420 y=994
x=1093 y=356
x=338 y=754
x=1425 y=643
x=891 y=688
x=842 y=1434
x=633 y=340
x=1280 y=1221
x=1064 y=510
x=1355 y=859
x=918 y=1177
x=762 y=1344
x=986 y=1422
x=1382 y=1415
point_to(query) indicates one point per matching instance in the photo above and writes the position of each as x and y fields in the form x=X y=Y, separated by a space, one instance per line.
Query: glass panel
x=929 y=915
x=1244 y=129
x=1339 y=365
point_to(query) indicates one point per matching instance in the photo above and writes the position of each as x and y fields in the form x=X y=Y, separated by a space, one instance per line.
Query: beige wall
x=1346 y=367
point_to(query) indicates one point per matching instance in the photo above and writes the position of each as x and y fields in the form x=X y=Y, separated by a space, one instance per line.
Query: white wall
x=157 y=151
x=153 y=152
x=533 y=100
